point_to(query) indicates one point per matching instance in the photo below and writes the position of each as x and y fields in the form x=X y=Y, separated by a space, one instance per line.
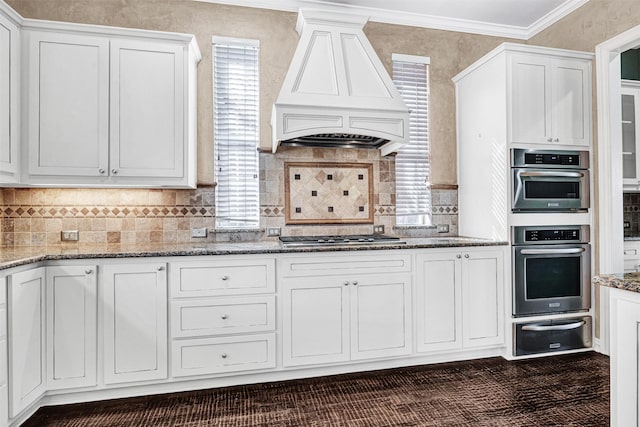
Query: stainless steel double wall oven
x=551 y=264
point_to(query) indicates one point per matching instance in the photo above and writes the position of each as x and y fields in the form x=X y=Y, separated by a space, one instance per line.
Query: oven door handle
x=552 y=174
x=541 y=328
x=551 y=251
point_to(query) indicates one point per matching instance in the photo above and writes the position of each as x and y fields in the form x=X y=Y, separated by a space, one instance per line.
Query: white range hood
x=337 y=93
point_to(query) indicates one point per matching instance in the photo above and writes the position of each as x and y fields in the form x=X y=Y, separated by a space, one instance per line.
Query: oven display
x=550 y=235
x=551 y=159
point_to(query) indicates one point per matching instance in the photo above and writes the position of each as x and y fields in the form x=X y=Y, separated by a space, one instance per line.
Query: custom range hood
x=336 y=92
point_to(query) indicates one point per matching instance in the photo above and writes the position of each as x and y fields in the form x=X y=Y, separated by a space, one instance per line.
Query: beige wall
x=450 y=53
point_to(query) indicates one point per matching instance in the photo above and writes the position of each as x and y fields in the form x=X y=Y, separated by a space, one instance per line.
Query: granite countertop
x=16 y=256
x=627 y=281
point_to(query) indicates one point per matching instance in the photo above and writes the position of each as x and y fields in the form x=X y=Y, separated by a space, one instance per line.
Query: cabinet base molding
x=86 y=395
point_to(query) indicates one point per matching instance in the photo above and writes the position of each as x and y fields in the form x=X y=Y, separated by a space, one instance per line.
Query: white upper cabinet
x=68 y=99
x=109 y=110
x=9 y=98
x=550 y=100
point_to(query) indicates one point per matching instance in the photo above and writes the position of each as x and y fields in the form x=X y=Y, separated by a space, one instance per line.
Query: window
x=236 y=132
x=413 y=171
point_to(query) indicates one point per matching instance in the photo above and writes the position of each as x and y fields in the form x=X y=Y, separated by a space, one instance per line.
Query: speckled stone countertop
x=627 y=281
x=16 y=256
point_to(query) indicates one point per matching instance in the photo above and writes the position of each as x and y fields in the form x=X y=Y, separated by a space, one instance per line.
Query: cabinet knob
x=355 y=282
x=88 y=271
x=466 y=255
x=556 y=140
x=225 y=277
x=101 y=171
x=114 y=171
x=458 y=256
x=224 y=317
x=223 y=355
x=549 y=139
x=161 y=268
x=346 y=283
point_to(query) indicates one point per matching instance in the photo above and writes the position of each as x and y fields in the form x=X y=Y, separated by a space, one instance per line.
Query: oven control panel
x=551 y=234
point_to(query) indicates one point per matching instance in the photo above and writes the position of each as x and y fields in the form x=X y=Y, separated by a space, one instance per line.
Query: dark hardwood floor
x=570 y=390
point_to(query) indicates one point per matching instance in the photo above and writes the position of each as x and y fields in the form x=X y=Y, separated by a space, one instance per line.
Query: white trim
x=234 y=41
x=414 y=59
x=415 y=19
x=610 y=187
x=554 y=16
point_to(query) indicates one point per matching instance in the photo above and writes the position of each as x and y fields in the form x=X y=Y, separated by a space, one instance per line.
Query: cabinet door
x=147 y=109
x=530 y=97
x=571 y=102
x=315 y=323
x=625 y=359
x=135 y=322
x=9 y=74
x=26 y=338
x=630 y=135
x=439 y=296
x=71 y=326
x=68 y=87
x=380 y=316
x=482 y=295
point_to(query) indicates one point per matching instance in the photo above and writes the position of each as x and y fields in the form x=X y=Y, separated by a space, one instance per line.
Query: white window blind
x=413 y=170
x=236 y=132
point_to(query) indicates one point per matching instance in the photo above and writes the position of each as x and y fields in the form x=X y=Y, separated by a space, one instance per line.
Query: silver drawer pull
x=552 y=174
x=541 y=328
x=552 y=251
x=355 y=283
x=161 y=268
x=225 y=277
x=224 y=317
x=88 y=271
x=223 y=355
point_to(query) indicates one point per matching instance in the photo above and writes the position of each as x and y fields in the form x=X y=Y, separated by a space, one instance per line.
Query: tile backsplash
x=631 y=209
x=36 y=216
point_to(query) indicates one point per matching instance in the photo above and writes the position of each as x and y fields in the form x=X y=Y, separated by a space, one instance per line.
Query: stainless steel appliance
x=357 y=239
x=551 y=335
x=550 y=180
x=551 y=269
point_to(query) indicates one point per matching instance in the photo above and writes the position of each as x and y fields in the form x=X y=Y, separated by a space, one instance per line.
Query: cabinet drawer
x=344 y=263
x=219 y=355
x=222 y=277
x=222 y=316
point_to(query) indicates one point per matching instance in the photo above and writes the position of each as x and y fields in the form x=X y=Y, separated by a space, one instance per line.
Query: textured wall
x=450 y=53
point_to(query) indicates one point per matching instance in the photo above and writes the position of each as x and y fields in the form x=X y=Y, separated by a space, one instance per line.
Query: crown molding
x=414 y=19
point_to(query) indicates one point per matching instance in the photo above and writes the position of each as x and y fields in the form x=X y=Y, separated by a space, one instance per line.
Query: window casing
x=236 y=132
x=413 y=169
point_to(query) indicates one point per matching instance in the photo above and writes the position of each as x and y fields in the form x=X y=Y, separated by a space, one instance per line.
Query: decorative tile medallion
x=328 y=193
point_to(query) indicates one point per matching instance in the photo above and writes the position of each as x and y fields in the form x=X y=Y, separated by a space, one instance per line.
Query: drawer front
x=344 y=263
x=222 y=316
x=220 y=277
x=552 y=336
x=219 y=355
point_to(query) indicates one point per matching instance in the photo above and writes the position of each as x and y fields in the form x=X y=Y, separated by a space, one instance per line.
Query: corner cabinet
x=9 y=98
x=459 y=299
x=27 y=338
x=106 y=110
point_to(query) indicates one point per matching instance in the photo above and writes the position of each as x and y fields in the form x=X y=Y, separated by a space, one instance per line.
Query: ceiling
x=519 y=19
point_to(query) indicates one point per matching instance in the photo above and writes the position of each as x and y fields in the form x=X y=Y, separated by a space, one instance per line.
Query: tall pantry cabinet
x=515 y=96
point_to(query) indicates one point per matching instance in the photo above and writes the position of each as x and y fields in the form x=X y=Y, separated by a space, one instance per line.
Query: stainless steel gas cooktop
x=356 y=239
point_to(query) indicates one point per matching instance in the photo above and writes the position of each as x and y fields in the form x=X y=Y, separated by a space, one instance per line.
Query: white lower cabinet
x=335 y=319
x=460 y=299
x=135 y=322
x=27 y=377
x=223 y=315
x=71 y=326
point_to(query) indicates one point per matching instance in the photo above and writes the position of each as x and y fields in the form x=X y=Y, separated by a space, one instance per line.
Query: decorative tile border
x=107 y=212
